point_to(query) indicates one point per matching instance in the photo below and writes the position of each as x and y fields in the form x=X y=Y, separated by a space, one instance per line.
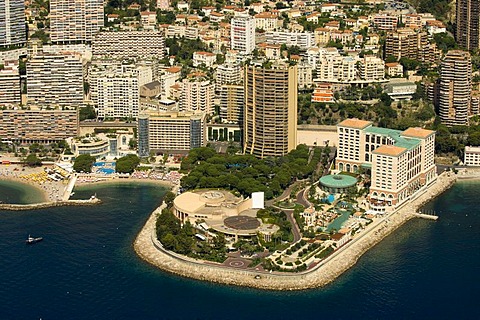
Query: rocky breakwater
x=42 y=205
x=149 y=249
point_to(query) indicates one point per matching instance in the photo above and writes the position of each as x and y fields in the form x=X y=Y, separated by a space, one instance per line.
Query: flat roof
x=417 y=133
x=355 y=123
x=390 y=150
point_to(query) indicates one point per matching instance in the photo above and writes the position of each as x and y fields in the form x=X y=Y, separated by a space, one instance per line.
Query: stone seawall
x=42 y=205
x=149 y=249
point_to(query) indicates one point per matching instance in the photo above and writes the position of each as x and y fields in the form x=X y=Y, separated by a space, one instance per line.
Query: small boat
x=32 y=240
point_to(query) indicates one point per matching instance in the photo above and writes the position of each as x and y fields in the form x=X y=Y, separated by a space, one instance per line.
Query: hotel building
x=75 y=20
x=472 y=156
x=55 y=79
x=270 y=115
x=129 y=44
x=38 y=125
x=401 y=162
x=10 y=92
x=242 y=34
x=12 y=23
x=170 y=131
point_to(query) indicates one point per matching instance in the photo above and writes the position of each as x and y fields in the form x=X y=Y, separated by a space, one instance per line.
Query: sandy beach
x=148 y=248
x=52 y=190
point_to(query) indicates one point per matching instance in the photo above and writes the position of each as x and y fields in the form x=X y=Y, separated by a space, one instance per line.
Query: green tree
x=33 y=161
x=127 y=164
x=83 y=163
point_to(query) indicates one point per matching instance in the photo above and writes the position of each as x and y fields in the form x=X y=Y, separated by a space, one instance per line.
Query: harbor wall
x=43 y=205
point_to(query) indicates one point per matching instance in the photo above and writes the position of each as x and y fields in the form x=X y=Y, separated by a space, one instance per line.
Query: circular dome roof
x=338 y=181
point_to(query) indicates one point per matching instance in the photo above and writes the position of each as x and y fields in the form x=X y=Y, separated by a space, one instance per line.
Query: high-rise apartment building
x=129 y=44
x=401 y=162
x=41 y=125
x=371 y=68
x=55 y=79
x=454 y=95
x=10 y=84
x=232 y=100
x=115 y=91
x=197 y=95
x=75 y=20
x=242 y=34
x=467 y=33
x=12 y=23
x=270 y=115
x=228 y=73
x=412 y=44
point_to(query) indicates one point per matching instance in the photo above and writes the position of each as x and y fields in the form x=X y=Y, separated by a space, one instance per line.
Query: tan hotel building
x=401 y=162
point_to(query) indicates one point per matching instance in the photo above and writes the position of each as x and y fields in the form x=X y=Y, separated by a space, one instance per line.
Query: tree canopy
x=84 y=163
x=245 y=173
x=127 y=164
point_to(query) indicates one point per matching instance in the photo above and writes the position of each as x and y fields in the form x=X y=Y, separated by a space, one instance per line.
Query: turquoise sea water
x=16 y=192
x=86 y=268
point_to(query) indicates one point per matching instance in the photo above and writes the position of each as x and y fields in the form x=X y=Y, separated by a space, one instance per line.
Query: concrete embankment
x=149 y=249
x=34 y=206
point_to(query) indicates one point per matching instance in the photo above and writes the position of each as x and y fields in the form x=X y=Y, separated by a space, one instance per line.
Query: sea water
x=86 y=268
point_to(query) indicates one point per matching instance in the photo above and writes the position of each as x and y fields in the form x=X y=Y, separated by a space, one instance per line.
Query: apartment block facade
x=242 y=34
x=129 y=44
x=232 y=101
x=75 y=20
x=467 y=30
x=408 y=43
x=197 y=95
x=401 y=162
x=38 y=125
x=55 y=79
x=270 y=115
x=10 y=92
x=115 y=92
x=12 y=23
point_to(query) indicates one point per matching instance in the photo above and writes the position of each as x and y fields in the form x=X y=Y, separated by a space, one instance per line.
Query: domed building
x=337 y=183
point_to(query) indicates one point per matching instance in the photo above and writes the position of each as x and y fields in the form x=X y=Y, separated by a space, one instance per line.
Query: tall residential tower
x=468 y=24
x=12 y=23
x=242 y=34
x=75 y=20
x=454 y=97
x=270 y=118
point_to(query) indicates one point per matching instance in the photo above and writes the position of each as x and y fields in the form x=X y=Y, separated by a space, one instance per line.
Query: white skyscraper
x=75 y=20
x=242 y=34
x=12 y=22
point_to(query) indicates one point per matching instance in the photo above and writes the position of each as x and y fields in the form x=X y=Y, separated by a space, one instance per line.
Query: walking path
x=149 y=249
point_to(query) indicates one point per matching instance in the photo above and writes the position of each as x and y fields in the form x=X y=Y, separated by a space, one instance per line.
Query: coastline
x=148 y=248
x=42 y=192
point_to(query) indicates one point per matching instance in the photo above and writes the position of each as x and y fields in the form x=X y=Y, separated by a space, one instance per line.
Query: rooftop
x=355 y=123
x=338 y=181
x=390 y=150
x=417 y=133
